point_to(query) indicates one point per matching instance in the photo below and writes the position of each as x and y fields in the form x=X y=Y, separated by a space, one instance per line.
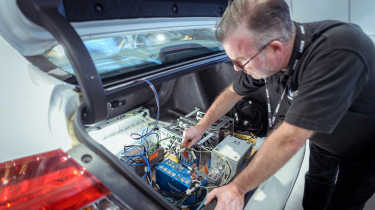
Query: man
x=325 y=73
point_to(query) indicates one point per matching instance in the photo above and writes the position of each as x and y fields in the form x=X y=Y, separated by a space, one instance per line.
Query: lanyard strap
x=298 y=55
x=272 y=118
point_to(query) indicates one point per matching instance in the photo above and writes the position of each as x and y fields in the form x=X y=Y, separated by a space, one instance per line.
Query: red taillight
x=50 y=180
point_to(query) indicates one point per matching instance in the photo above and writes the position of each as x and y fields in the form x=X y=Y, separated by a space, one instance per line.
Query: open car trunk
x=182 y=102
x=130 y=125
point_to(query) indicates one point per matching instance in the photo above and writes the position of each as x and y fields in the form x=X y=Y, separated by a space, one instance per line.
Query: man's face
x=259 y=63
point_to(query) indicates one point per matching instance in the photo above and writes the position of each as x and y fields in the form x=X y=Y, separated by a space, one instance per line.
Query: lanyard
x=272 y=118
x=295 y=60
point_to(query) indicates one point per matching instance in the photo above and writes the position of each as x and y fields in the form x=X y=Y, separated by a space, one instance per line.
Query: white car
x=78 y=88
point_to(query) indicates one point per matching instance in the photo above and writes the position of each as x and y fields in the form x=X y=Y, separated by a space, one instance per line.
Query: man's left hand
x=228 y=197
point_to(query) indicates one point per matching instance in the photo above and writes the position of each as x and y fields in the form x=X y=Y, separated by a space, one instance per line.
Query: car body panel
x=35 y=107
x=275 y=192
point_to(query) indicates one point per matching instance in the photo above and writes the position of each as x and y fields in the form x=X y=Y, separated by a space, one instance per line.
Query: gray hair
x=266 y=20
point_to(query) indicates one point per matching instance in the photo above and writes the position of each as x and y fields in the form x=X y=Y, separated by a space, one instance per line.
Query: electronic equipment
x=113 y=134
x=174 y=178
x=231 y=151
x=188 y=159
x=147 y=146
x=211 y=137
x=132 y=156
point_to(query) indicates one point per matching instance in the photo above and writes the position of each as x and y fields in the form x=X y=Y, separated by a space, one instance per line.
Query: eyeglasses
x=242 y=66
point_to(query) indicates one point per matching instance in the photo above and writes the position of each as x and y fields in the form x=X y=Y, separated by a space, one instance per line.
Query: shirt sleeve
x=244 y=84
x=328 y=86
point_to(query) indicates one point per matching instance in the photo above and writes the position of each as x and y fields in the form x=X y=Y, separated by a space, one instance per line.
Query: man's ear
x=276 y=46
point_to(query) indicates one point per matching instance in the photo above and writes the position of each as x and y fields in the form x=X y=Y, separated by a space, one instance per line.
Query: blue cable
x=146 y=162
x=138 y=136
x=150 y=133
x=147 y=133
x=137 y=164
x=201 y=205
x=204 y=200
x=149 y=170
x=156 y=97
x=143 y=135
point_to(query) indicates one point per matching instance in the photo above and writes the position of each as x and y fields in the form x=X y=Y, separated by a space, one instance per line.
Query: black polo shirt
x=332 y=90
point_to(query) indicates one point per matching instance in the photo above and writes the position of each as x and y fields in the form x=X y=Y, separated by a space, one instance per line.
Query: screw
x=174 y=9
x=99 y=8
x=86 y=158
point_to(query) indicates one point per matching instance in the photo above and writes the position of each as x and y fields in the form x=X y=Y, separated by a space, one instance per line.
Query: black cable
x=180 y=202
x=201 y=197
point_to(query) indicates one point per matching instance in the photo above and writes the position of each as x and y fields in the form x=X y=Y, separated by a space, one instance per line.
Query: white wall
x=360 y=12
x=307 y=10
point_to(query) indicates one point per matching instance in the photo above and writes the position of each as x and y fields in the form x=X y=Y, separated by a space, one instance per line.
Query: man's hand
x=228 y=197
x=191 y=136
x=222 y=104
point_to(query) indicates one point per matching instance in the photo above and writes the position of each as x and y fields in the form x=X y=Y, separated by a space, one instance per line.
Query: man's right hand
x=191 y=136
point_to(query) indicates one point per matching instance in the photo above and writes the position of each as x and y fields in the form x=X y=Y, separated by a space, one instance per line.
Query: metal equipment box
x=231 y=151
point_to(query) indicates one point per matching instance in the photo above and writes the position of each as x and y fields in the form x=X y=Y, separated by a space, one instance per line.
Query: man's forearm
x=279 y=147
x=222 y=104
